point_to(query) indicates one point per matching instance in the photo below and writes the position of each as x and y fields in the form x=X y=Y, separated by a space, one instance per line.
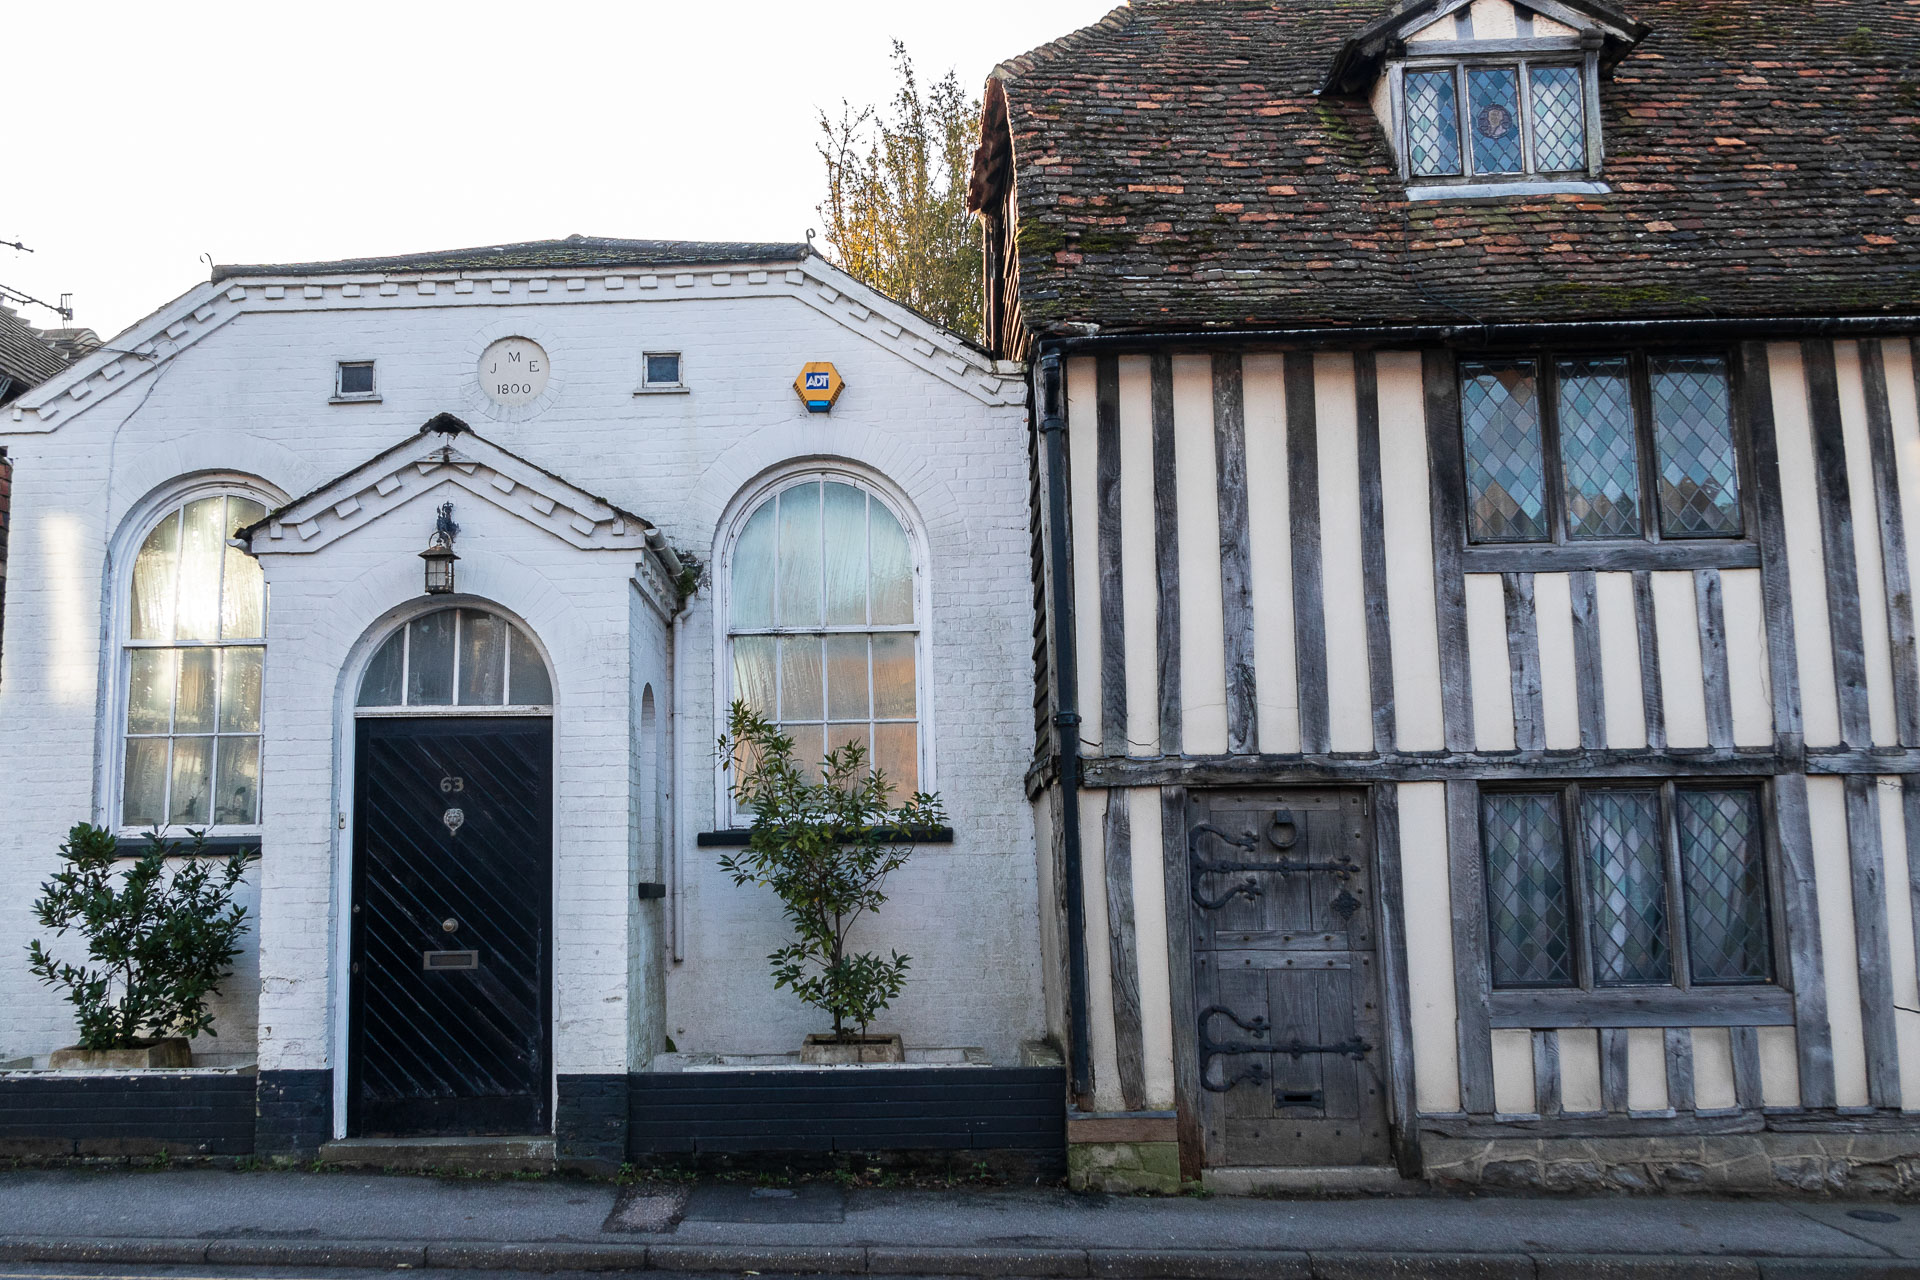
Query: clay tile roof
x=584 y=252
x=1176 y=168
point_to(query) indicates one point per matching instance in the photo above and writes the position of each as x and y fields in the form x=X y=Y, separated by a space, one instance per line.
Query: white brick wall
x=247 y=393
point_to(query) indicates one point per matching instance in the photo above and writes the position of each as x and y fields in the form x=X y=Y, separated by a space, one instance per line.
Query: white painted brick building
x=577 y=504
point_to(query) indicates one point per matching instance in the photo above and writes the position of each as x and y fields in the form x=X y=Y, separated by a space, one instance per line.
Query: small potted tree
x=825 y=847
x=159 y=943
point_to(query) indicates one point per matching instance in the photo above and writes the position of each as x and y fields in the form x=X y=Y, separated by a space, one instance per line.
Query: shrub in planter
x=160 y=939
x=825 y=846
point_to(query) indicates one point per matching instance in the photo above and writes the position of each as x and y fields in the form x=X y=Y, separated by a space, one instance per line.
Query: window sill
x=663 y=391
x=737 y=837
x=1754 y=1006
x=1506 y=190
x=1551 y=557
x=135 y=845
x=353 y=399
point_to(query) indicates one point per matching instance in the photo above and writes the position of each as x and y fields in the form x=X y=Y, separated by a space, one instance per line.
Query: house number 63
x=453 y=785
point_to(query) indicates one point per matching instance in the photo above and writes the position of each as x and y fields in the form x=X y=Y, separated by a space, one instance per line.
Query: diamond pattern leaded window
x=1559 y=119
x=1627 y=884
x=1493 y=112
x=1726 y=879
x=1506 y=471
x=1611 y=923
x=1597 y=449
x=1528 y=918
x=1433 y=123
x=1699 y=488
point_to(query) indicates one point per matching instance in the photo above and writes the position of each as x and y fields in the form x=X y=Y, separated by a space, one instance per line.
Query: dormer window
x=1484 y=98
x=1519 y=118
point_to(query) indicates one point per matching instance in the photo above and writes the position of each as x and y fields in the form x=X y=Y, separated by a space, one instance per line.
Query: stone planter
x=829 y=1051
x=168 y=1054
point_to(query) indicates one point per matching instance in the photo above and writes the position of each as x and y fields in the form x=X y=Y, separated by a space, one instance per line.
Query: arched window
x=195 y=645
x=456 y=659
x=823 y=623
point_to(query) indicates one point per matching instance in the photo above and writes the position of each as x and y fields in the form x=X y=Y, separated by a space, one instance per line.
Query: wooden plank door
x=448 y=1015
x=1286 y=988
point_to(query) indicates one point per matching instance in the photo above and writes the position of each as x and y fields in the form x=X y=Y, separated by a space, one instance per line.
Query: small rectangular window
x=1608 y=922
x=1692 y=421
x=662 y=368
x=355 y=378
x=1493 y=113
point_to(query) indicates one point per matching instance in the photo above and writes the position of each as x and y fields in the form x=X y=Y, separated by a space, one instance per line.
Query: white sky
x=145 y=134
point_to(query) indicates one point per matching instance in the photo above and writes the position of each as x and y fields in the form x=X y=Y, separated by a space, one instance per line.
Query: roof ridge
x=1116 y=20
x=472 y=257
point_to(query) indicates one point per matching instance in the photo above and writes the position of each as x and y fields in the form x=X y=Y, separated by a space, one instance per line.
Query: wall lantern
x=439 y=553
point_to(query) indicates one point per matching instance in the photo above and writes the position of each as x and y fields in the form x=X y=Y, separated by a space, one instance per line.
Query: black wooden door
x=1286 y=993
x=448 y=1008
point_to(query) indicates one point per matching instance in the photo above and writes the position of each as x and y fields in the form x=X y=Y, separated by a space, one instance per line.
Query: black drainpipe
x=1066 y=717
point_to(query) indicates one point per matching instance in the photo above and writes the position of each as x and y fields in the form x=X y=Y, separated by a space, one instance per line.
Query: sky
x=148 y=135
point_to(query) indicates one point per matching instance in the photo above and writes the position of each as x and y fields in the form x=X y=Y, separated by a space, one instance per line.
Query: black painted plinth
x=1013 y=1119
x=294 y=1114
x=126 y=1114
x=590 y=1123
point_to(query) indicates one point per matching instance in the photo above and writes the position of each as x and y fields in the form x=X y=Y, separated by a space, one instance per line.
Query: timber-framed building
x=1475 y=462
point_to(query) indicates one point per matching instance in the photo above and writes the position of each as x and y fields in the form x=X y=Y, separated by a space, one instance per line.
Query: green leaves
x=896 y=206
x=162 y=940
x=825 y=848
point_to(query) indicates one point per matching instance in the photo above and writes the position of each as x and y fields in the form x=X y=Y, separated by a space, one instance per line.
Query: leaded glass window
x=1433 y=123
x=823 y=626
x=454 y=659
x=195 y=650
x=1493 y=119
x=1493 y=106
x=1642 y=853
x=1506 y=469
x=1597 y=449
x=1559 y=119
x=1692 y=420
x=1576 y=447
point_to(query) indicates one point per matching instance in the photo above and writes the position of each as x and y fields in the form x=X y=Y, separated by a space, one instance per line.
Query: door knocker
x=453 y=818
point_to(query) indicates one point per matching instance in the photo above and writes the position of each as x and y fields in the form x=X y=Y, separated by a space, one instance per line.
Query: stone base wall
x=1797 y=1163
x=1124 y=1168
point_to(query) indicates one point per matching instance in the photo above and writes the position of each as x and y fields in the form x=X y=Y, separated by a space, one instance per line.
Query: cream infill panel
x=1343 y=589
x=1513 y=1073
x=1749 y=678
x=1806 y=563
x=1488 y=668
x=1620 y=660
x=1203 y=660
x=1779 y=1067
x=1083 y=449
x=1423 y=875
x=1900 y=947
x=1580 y=1071
x=1872 y=585
x=1682 y=683
x=1138 y=589
x=1101 y=1046
x=1559 y=694
x=1264 y=386
x=1712 y=1069
x=1646 y=1069
x=1404 y=498
x=1150 y=927
x=1833 y=881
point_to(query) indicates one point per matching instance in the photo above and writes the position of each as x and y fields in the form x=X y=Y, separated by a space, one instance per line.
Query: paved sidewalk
x=261 y=1219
